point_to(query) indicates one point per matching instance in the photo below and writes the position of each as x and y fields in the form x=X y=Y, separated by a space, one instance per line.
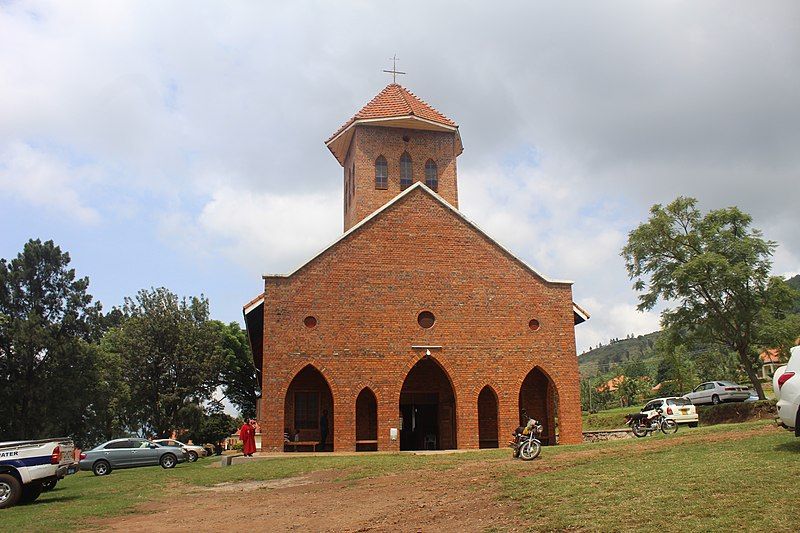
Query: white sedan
x=786 y=384
x=680 y=410
x=193 y=452
x=717 y=392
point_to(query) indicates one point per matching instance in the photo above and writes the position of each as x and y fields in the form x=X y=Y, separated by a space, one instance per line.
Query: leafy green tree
x=676 y=370
x=47 y=321
x=238 y=377
x=172 y=357
x=715 y=270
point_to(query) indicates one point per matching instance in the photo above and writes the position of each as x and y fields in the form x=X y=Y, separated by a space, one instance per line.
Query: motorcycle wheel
x=639 y=430
x=669 y=426
x=530 y=450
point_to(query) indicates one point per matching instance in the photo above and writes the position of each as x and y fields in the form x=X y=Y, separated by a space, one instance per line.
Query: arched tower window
x=431 y=176
x=406 y=174
x=381 y=173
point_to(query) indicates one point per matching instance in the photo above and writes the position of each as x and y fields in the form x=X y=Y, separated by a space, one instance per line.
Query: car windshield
x=678 y=401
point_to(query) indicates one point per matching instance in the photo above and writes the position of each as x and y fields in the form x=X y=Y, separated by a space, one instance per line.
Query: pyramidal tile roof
x=396 y=101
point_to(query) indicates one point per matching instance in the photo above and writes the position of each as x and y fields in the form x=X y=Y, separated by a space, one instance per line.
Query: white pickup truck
x=29 y=467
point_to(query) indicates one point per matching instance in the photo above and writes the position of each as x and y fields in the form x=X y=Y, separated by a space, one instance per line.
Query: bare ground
x=464 y=498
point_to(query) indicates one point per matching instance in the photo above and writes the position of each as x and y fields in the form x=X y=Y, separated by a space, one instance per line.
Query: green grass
x=742 y=484
x=608 y=419
x=714 y=478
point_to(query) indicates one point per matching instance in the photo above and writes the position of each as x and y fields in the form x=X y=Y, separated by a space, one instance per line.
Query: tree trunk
x=751 y=373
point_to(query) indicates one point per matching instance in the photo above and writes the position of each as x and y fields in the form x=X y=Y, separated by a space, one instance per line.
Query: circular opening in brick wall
x=406 y=138
x=426 y=319
x=310 y=321
x=534 y=324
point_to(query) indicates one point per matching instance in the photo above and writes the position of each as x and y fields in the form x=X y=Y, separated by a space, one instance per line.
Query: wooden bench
x=294 y=445
x=370 y=443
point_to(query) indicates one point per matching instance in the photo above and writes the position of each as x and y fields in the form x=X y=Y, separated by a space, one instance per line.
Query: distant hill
x=601 y=359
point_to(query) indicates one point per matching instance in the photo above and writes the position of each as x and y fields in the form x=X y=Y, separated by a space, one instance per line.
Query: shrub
x=726 y=413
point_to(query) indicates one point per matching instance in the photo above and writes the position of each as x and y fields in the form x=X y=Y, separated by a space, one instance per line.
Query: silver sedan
x=129 y=453
x=717 y=392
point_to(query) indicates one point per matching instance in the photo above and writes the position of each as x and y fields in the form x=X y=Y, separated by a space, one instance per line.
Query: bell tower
x=391 y=143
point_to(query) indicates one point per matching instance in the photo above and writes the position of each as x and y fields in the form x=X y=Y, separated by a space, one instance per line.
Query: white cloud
x=264 y=232
x=44 y=181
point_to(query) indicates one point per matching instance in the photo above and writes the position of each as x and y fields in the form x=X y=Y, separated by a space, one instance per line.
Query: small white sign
x=392 y=433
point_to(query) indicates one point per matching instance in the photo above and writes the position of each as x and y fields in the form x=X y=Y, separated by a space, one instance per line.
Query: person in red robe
x=248 y=436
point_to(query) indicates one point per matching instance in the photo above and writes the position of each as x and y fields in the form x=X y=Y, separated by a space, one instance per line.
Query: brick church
x=415 y=329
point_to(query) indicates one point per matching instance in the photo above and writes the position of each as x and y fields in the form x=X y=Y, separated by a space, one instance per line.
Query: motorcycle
x=526 y=443
x=642 y=426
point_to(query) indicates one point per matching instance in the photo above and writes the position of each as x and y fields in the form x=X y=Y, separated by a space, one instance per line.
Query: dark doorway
x=366 y=421
x=427 y=409
x=487 y=418
x=538 y=397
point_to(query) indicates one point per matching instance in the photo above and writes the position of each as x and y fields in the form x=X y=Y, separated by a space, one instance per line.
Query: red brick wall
x=370 y=142
x=366 y=293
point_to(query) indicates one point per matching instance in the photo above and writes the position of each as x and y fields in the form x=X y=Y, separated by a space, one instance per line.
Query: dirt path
x=463 y=498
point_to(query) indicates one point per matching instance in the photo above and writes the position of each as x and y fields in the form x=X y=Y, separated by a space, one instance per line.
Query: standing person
x=248 y=436
x=323 y=429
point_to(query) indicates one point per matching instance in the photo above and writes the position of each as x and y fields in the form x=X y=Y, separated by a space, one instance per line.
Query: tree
x=238 y=377
x=676 y=371
x=172 y=357
x=715 y=269
x=47 y=320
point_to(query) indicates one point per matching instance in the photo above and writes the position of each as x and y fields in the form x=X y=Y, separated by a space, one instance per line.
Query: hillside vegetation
x=603 y=358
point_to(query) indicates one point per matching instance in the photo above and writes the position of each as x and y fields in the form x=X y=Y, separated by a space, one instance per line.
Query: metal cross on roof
x=394 y=72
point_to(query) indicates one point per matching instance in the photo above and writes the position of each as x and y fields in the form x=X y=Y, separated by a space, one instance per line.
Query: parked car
x=716 y=392
x=786 y=385
x=129 y=453
x=28 y=467
x=680 y=410
x=193 y=452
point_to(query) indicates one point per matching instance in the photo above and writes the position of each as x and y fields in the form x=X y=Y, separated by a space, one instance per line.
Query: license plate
x=684 y=411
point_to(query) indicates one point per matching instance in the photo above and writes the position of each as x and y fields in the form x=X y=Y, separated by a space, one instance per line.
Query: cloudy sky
x=181 y=143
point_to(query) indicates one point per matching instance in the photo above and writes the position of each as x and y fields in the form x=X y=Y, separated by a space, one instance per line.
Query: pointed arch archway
x=487 y=418
x=308 y=408
x=366 y=421
x=538 y=397
x=427 y=408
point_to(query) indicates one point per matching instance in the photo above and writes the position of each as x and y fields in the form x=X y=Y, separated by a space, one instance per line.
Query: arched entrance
x=366 y=421
x=487 y=418
x=308 y=409
x=427 y=408
x=539 y=398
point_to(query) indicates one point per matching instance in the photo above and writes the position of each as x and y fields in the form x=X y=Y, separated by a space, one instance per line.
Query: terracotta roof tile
x=396 y=101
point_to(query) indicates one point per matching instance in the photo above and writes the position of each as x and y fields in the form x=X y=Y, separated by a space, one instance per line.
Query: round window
x=310 y=321
x=426 y=319
x=534 y=324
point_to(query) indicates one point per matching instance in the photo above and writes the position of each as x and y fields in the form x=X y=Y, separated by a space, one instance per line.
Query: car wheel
x=168 y=461
x=101 y=468
x=10 y=490
x=692 y=424
x=30 y=492
x=192 y=456
x=715 y=400
x=49 y=485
